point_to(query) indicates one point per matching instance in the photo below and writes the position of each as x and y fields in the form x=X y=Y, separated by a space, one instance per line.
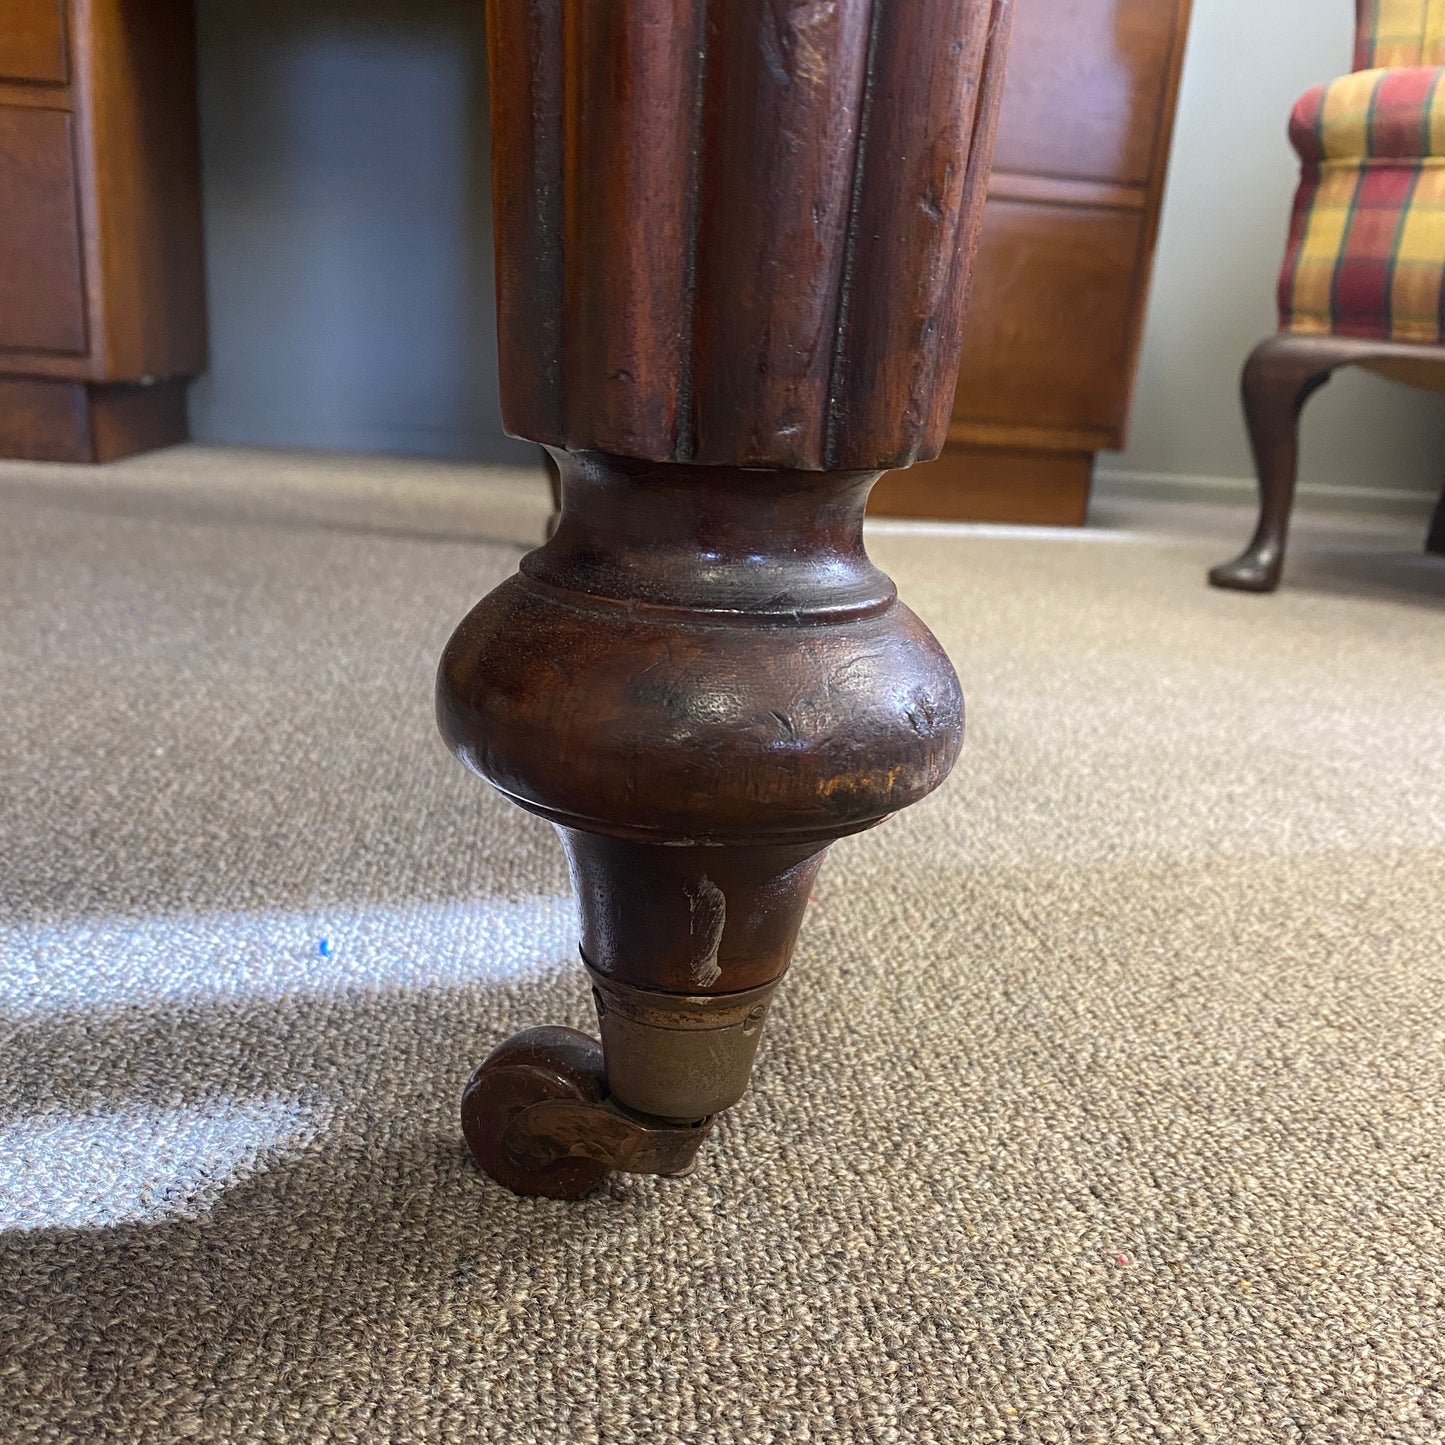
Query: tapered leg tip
x=1246 y=573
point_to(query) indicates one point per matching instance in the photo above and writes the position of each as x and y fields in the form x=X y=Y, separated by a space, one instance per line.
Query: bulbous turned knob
x=702 y=653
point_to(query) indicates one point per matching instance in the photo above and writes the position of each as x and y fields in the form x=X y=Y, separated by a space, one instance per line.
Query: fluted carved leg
x=733 y=249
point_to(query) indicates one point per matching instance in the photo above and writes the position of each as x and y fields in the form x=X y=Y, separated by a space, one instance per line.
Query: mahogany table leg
x=733 y=251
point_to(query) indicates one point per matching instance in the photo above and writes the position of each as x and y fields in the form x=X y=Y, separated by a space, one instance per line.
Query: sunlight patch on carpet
x=140 y=1165
x=111 y=963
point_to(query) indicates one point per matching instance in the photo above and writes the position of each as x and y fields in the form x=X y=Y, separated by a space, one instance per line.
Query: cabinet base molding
x=991 y=484
x=87 y=421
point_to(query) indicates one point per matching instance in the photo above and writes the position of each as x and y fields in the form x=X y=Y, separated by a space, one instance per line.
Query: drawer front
x=32 y=40
x=1086 y=88
x=1050 y=333
x=42 y=293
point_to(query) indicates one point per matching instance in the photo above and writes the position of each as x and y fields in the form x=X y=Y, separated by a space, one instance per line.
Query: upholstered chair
x=1363 y=281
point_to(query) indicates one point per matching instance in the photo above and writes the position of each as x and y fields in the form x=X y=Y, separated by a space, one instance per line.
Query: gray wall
x=348 y=230
x=348 y=236
x=1225 y=215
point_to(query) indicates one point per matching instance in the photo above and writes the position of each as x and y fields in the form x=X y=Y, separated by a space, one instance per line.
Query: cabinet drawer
x=1049 y=339
x=32 y=40
x=1087 y=88
x=42 y=294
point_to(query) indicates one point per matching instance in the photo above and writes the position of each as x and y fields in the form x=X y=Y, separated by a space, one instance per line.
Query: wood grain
x=42 y=290
x=759 y=219
x=922 y=168
x=781 y=115
x=633 y=77
x=1062 y=275
x=1059 y=292
x=32 y=41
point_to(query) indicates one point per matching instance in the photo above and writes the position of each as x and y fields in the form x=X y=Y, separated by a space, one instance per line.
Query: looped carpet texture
x=1103 y=1102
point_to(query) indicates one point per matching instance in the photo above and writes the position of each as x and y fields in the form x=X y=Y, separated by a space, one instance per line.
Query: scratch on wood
x=708 y=912
x=786 y=723
x=843 y=322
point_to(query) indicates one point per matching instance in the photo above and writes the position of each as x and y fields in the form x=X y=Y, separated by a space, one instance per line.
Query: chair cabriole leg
x=1281 y=374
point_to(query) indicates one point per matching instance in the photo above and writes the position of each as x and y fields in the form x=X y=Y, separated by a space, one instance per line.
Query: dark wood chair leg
x=722 y=338
x=1281 y=374
x=1435 y=538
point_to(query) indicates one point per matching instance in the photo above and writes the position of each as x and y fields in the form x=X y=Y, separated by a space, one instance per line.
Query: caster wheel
x=533 y=1066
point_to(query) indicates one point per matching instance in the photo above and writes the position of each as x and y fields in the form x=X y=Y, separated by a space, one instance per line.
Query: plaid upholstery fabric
x=1366 y=253
x=1379 y=115
x=1399 y=32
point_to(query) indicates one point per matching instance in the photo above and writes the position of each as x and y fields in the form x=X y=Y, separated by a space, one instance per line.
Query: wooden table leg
x=733 y=253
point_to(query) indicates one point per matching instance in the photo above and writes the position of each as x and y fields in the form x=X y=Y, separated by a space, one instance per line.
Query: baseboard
x=53 y=419
x=349 y=434
x=1181 y=487
x=990 y=484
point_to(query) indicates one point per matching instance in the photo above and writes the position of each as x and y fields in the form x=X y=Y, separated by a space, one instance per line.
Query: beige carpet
x=1103 y=1104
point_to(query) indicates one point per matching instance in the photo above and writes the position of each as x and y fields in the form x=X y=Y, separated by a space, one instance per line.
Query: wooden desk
x=102 y=294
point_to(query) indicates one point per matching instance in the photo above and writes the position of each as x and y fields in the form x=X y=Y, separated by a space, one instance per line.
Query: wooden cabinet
x=102 y=303
x=1063 y=269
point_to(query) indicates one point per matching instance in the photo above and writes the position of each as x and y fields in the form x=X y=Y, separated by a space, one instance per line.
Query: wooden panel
x=42 y=300
x=26 y=95
x=1053 y=337
x=43 y=421
x=1085 y=96
x=1056 y=300
x=1066 y=191
x=1012 y=437
x=32 y=40
x=126 y=418
x=1041 y=488
x=76 y=421
x=136 y=102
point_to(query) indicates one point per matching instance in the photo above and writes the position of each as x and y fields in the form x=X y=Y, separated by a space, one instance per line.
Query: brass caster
x=538 y=1120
